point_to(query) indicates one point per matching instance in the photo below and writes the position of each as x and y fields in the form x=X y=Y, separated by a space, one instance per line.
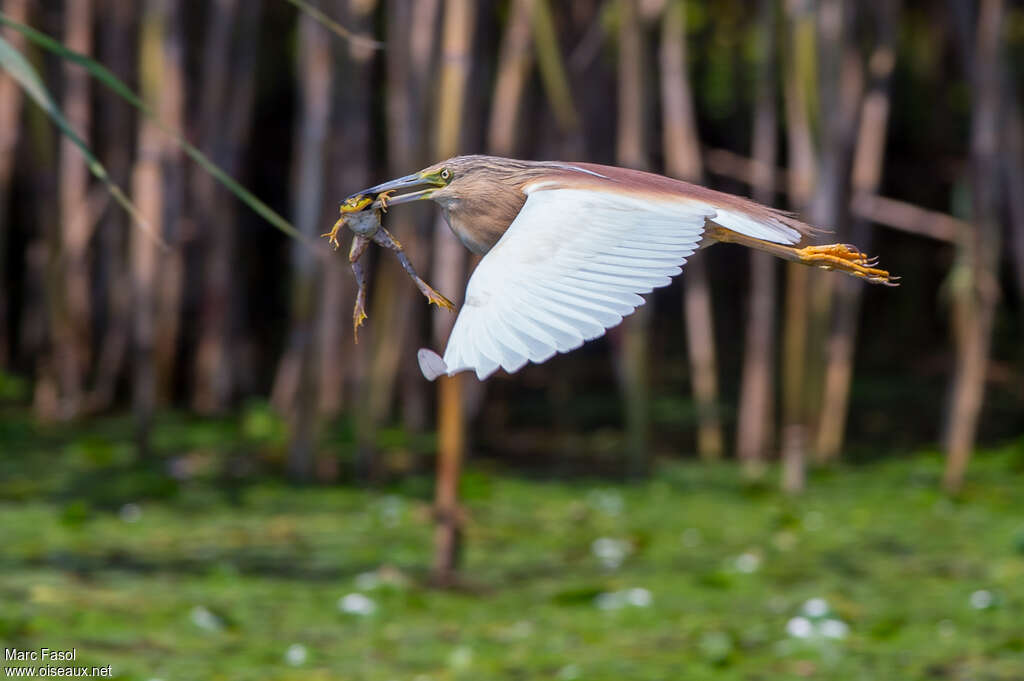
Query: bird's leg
x=359 y=244
x=841 y=257
x=384 y=238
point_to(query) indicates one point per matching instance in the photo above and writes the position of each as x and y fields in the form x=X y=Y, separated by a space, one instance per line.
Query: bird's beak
x=407 y=182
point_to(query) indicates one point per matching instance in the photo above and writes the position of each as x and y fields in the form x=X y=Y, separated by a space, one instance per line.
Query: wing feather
x=570 y=266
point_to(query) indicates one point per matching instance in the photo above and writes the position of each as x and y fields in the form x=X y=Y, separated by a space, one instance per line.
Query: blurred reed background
x=761 y=474
x=897 y=123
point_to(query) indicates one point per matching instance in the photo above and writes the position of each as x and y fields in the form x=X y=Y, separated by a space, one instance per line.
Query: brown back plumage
x=641 y=182
x=487 y=192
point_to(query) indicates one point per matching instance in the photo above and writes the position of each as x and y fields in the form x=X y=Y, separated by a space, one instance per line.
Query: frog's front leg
x=359 y=244
x=332 y=236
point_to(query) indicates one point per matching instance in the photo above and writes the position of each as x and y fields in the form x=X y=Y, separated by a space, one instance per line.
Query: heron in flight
x=568 y=249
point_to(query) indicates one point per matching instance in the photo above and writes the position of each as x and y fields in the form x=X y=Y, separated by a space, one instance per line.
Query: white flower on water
x=747 y=562
x=131 y=513
x=799 y=627
x=611 y=600
x=569 y=672
x=357 y=604
x=460 y=657
x=296 y=654
x=607 y=501
x=816 y=607
x=367 y=581
x=691 y=537
x=981 y=599
x=639 y=597
x=390 y=508
x=834 y=629
x=204 y=619
x=611 y=552
x=519 y=630
x=810 y=625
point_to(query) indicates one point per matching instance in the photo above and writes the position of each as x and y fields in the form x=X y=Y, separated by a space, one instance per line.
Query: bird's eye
x=446 y=174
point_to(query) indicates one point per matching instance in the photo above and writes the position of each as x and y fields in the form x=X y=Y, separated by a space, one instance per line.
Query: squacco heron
x=568 y=249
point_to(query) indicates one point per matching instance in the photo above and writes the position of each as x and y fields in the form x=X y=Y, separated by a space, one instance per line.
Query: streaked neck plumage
x=481 y=204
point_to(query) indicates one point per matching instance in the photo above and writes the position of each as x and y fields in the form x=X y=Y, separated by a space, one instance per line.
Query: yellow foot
x=358 y=317
x=846 y=258
x=384 y=197
x=437 y=299
x=332 y=236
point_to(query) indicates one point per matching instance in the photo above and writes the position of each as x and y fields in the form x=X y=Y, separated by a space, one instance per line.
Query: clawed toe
x=846 y=258
x=332 y=236
x=435 y=298
x=358 y=317
x=384 y=197
x=359 y=313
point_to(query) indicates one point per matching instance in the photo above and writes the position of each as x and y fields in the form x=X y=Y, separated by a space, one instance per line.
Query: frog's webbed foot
x=385 y=239
x=384 y=197
x=433 y=296
x=359 y=313
x=332 y=236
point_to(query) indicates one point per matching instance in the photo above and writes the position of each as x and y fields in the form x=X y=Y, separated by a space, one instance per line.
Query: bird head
x=458 y=179
x=480 y=195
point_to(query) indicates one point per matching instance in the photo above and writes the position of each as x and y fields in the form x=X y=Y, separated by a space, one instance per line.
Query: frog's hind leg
x=384 y=238
x=359 y=244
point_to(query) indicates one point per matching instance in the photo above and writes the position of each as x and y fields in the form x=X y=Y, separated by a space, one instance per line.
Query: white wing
x=768 y=226
x=569 y=267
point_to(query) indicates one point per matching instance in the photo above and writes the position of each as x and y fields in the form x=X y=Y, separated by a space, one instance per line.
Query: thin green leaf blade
x=105 y=76
x=19 y=68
